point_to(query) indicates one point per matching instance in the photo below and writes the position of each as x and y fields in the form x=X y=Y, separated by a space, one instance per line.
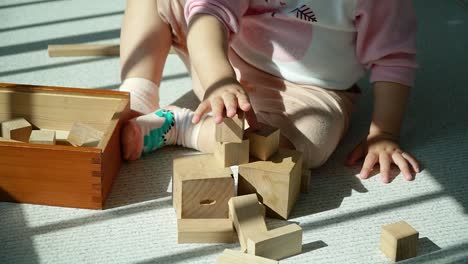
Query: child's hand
x=385 y=150
x=224 y=101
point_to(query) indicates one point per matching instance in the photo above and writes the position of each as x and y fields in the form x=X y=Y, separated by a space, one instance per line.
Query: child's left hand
x=385 y=150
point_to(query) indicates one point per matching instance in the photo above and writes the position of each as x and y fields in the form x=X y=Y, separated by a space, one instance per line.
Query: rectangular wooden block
x=230 y=154
x=235 y=257
x=42 y=137
x=231 y=129
x=77 y=50
x=83 y=135
x=276 y=181
x=305 y=180
x=2 y=139
x=205 y=231
x=60 y=175
x=201 y=187
x=247 y=216
x=278 y=243
x=263 y=142
x=17 y=129
x=399 y=241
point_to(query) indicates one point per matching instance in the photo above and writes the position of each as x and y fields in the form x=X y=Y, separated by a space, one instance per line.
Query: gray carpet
x=341 y=216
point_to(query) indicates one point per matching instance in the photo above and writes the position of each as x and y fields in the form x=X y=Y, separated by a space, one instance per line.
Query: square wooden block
x=230 y=154
x=231 y=129
x=46 y=137
x=201 y=187
x=263 y=142
x=399 y=241
x=61 y=175
x=84 y=135
x=276 y=181
x=16 y=129
x=205 y=231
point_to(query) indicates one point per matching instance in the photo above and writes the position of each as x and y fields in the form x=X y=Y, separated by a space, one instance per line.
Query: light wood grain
x=399 y=241
x=231 y=130
x=276 y=181
x=205 y=231
x=83 y=50
x=263 y=142
x=202 y=187
x=230 y=154
x=278 y=243
x=83 y=135
x=16 y=129
x=42 y=137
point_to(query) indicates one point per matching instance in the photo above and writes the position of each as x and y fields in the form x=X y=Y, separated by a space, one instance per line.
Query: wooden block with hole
x=46 y=137
x=201 y=187
x=263 y=142
x=399 y=241
x=83 y=135
x=277 y=243
x=276 y=181
x=236 y=257
x=231 y=129
x=205 y=231
x=17 y=129
x=230 y=154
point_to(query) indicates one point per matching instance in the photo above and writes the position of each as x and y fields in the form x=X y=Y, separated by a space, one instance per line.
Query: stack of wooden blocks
x=20 y=130
x=269 y=184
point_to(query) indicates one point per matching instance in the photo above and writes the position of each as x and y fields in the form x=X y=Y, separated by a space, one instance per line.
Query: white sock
x=144 y=94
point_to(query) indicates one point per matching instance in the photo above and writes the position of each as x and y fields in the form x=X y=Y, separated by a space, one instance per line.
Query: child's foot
x=149 y=132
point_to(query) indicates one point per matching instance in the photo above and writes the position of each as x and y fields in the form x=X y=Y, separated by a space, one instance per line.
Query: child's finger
x=230 y=103
x=403 y=165
x=202 y=109
x=244 y=103
x=414 y=163
x=384 y=161
x=217 y=108
x=368 y=165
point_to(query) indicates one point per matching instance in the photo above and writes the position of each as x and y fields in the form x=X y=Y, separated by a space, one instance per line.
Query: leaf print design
x=305 y=13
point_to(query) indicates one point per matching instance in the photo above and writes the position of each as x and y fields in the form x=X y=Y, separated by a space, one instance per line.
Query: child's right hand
x=223 y=100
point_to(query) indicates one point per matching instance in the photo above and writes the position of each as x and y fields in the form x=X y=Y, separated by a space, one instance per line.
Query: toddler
x=290 y=64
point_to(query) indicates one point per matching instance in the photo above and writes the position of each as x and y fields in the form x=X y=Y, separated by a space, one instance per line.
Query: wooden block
x=236 y=257
x=263 y=142
x=77 y=50
x=247 y=216
x=205 y=231
x=230 y=154
x=278 y=243
x=276 y=181
x=42 y=137
x=399 y=241
x=17 y=129
x=201 y=187
x=82 y=135
x=231 y=129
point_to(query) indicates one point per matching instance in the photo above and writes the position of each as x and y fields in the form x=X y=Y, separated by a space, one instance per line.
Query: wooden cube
x=236 y=257
x=17 y=129
x=231 y=129
x=83 y=135
x=46 y=137
x=205 y=231
x=201 y=187
x=230 y=154
x=60 y=175
x=399 y=241
x=276 y=181
x=263 y=142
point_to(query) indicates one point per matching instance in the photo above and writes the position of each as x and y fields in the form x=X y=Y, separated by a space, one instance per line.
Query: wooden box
x=61 y=175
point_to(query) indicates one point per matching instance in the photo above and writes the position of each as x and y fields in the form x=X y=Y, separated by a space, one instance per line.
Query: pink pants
x=312 y=118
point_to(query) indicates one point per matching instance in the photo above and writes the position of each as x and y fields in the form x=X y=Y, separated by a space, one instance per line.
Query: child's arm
x=386 y=45
x=207 y=41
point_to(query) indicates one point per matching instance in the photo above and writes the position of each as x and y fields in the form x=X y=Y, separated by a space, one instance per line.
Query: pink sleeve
x=227 y=11
x=386 y=39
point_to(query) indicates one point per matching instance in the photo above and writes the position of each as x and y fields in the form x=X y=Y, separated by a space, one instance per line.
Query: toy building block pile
x=269 y=183
x=20 y=130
